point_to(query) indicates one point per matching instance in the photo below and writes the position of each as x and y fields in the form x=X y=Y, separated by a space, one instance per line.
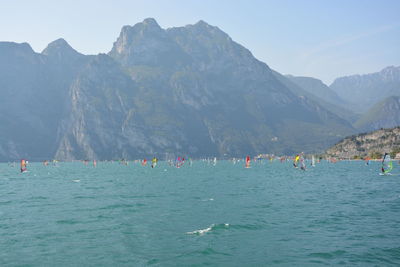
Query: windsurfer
x=154 y=162
x=383 y=169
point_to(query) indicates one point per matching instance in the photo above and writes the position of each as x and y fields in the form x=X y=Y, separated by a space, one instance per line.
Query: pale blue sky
x=323 y=39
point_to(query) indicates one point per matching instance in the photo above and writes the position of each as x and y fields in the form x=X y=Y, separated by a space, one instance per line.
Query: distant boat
x=313 y=161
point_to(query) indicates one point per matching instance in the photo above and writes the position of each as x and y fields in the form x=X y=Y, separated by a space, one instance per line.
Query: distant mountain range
x=384 y=114
x=369 y=101
x=322 y=94
x=363 y=91
x=161 y=92
x=317 y=88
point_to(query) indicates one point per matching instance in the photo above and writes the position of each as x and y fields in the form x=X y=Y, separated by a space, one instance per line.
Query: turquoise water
x=223 y=215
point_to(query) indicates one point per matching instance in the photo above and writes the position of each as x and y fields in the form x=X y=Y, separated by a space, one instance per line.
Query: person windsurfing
x=179 y=162
x=296 y=159
x=23 y=165
x=312 y=161
x=302 y=162
x=387 y=164
x=154 y=162
x=248 y=160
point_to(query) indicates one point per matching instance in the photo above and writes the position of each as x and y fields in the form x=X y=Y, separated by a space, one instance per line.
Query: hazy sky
x=323 y=39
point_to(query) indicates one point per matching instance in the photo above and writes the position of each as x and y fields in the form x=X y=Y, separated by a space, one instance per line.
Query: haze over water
x=223 y=215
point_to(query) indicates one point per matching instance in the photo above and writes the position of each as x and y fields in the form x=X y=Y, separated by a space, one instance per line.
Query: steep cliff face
x=33 y=89
x=236 y=97
x=147 y=44
x=377 y=142
x=190 y=90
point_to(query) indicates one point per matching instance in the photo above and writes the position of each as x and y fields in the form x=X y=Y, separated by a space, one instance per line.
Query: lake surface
x=225 y=215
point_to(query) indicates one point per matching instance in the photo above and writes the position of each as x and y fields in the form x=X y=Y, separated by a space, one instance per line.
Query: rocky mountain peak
x=16 y=47
x=390 y=73
x=202 y=23
x=150 y=22
x=203 y=28
x=146 y=43
x=129 y=34
x=60 y=49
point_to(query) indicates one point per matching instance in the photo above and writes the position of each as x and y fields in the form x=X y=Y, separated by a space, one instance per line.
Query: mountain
x=363 y=91
x=385 y=114
x=181 y=91
x=316 y=90
x=372 y=144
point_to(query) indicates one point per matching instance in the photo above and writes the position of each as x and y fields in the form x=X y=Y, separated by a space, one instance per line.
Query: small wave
x=328 y=255
x=248 y=226
x=84 y=197
x=208 y=199
x=38 y=198
x=76 y=181
x=122 y=205
x=153 y=261
x=210 y=251
x=212 y=227
x=71 y=221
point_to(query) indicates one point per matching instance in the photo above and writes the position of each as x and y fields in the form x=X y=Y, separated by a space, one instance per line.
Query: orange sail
x=23 y=165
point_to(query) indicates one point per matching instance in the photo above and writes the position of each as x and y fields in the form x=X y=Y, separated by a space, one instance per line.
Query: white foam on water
x=201 y=231
x=76 y=181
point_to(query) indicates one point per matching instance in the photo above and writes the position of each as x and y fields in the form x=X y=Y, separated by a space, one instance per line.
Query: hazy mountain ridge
x=317 y=88
x=319 y=92
x=363 y=91
x=385 y=114
x=188 y=90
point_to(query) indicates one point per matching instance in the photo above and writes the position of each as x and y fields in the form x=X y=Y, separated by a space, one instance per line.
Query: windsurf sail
x=302 y=163
x=296 y=161
x=248 y=162
x=23 y=165
x=313 y=161
x=179 y=162
x=387 y=164
x=154 y=162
